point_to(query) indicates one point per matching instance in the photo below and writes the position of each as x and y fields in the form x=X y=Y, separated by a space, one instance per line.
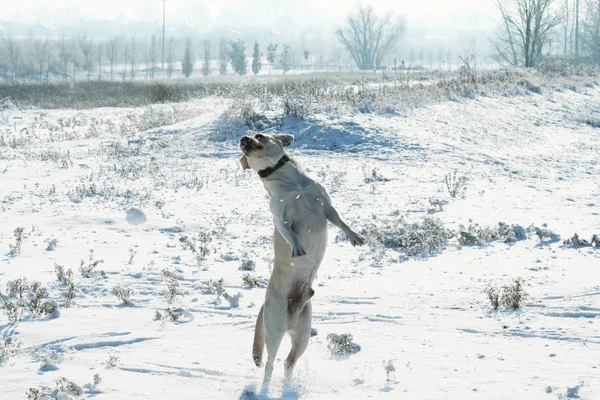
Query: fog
x=432 y=26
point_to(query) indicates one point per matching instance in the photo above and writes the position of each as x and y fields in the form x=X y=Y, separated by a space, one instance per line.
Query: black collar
x=263 y=173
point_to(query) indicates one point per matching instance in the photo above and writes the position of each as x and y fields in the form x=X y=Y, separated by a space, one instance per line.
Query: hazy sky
x=302 y=11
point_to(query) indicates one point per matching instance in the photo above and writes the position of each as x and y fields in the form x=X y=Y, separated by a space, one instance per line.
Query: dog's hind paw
x=356 y=239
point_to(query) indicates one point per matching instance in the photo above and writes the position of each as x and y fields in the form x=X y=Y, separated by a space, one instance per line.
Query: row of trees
x=124 y=58
x=234 y=53
x=530 y=31
x=531 y=27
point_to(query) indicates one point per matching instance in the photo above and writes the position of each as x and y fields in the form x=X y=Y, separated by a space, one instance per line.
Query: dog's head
x=262 y=150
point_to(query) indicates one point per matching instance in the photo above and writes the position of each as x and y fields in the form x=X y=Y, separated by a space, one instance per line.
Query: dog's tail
x=259 y=339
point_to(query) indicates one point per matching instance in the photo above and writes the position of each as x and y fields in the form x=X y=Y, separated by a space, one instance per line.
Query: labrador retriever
x=301 y=209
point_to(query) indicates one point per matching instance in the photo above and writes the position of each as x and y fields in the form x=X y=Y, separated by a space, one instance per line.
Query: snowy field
x=424 y=324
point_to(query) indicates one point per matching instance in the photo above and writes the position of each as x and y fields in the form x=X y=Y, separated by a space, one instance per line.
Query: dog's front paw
x=298 y=250
x=356 y=238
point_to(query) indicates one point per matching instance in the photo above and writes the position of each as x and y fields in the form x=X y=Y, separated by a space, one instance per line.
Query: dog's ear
x=285 y=138
x=244 y=162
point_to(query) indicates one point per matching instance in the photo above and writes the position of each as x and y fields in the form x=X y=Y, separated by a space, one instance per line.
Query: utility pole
x=163 y=38
x=576 y=30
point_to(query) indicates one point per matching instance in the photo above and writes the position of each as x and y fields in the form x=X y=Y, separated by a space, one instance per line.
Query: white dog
x=301 y=209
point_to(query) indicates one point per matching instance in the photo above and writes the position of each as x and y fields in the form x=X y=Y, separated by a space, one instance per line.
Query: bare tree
x=42 y=53
x=13 y=52
x=368 y=38
x=133 y=58
x=87 y=49
x=223 y=56
x=526 y=29
x=576 y=28
x=170 y=58
x=206 y=64
x=99 y=53
x=64 y=53
x=112 y=51
x=152 y=52
x=591 y=30
x=566 y=21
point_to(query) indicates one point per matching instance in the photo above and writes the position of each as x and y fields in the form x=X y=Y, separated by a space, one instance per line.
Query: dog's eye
x=258 y=136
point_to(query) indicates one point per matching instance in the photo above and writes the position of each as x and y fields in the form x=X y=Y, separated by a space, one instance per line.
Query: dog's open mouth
x=248 y=144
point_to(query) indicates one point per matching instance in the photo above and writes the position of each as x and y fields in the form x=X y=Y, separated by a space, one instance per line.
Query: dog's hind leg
x=300 y=335
x=275 y=321
x=259 y=339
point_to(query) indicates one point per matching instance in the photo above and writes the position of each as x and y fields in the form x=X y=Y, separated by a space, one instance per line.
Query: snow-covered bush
x=543 y=233
x=247 y=265
x=214 y=287
x=174 y=314
x=475 y=234
x=511 y=296
x=63 y=389
x=341 y=345
x=416 y=238
x=171 y=280
x=123 y=294
x=113 y=361
x=49 y=359
x=9 y=346
x=252 y=281
x=27 y=296
x=88 y=270
x=493 y=295
x=234 y=301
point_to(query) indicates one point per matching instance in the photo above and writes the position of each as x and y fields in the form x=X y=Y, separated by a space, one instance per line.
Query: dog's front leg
x=332 y=216
x=283 y=225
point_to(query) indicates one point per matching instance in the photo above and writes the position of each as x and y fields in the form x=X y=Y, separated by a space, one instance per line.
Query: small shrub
x=132 y=253
x=171 y=279
x=24 y=296
x=251 y=281
x=456 y=185
x=113 y=361
x=9 y=346
x=416 y=238
x=390 y=369
x=437 y=205
x=493 y=294
x=234 y=301
x=247 y=265
x=214 y=287
x=514 y=294
x=544 y=233
x=88 y=270
x=49 y=359
x=174 y=314
x=20 y=236
x=576 y=241
x=341 y=345
x=510 y=296
x=123 y=294
x=371 y=175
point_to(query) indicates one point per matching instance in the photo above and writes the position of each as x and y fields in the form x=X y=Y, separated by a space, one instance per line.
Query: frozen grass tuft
x=342 y=344
x=123 y=294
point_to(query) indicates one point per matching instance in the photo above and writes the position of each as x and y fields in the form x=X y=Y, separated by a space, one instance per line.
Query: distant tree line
x=530 y=32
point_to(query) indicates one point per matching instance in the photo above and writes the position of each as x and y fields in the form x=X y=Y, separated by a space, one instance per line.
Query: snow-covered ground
x=529 y=159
